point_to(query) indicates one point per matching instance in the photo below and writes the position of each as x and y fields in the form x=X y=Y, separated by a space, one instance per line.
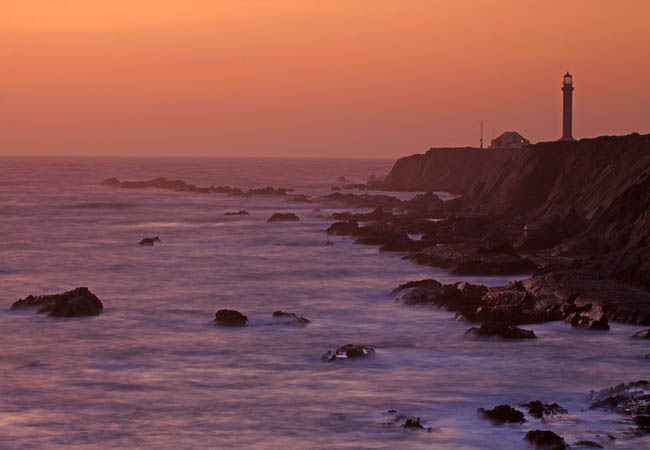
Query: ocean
x=152 y=371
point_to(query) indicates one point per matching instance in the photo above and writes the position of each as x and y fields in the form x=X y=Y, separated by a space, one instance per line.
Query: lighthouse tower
x=567 y=110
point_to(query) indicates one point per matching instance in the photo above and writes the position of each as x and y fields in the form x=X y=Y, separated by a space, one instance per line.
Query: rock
x=546 y=440
x=290 y=318
x=644 y=334
x=299 y=198
x=414 y=423
x=269 y=190
x=503 y=414
x=538 y=409
x=463 y=259
x=149 y=241
x=643 y=422
x=349 y=351
x=230 y=317
x=283 y=217
x=342 y=179
x=631 y=399
x=241 y=212
x=418 y=292
x=586 y=443
x=386 y=237
x=349 y=228
x=593 y=322
x=76 y=303
x=504 y=331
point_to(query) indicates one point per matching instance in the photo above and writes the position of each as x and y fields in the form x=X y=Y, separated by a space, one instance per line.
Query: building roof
x=510 y=135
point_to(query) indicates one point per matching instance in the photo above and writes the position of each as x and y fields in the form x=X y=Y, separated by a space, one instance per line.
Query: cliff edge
x=452 y=170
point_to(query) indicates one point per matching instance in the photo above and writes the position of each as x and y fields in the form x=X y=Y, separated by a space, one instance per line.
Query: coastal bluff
x=452 y=170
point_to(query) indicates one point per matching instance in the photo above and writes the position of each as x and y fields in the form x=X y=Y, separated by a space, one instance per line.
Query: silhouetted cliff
x=446 y=169
x=603 y=184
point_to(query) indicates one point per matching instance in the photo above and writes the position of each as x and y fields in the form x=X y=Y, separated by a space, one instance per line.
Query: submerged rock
x=283 y=217
x=350 y=351
x=504 y=331
x=632 y=399
x=291 y=318
x=503 y=414
x=230 y=317
x=643 y=334
x=75 y=303
x=150 y=241
x=241 y=212
x=546 y=440
x=538 y=409
x=590 y=444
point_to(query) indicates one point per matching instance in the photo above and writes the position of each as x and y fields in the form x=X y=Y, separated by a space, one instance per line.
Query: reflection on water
x=152 y=372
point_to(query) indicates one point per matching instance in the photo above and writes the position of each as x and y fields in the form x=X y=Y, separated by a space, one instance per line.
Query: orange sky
x=311 y=77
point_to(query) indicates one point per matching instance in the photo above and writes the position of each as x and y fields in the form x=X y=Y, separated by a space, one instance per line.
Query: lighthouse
x=567 y=110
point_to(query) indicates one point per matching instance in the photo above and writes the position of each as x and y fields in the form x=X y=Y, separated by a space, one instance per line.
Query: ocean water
x=152 y=371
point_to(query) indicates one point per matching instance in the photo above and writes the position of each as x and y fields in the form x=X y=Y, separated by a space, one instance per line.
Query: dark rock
x=418 y=292
x=591 y=321
x=150 y=241
x=644 y=334
x=230 y=317
x=299 y=198
x=344 y=228
x=241 y=212
x=413 y=423
x=538 y=409
x=350 y=351
x=546 y=440
x=283 y=217
x=643 y=422
x=586 y=443
x=267 y=191
x=504 y=331
x=75 y=303
x=503 y=414
x=290 y=318
x=342 y=179
x=628 y=399
x=463 y=259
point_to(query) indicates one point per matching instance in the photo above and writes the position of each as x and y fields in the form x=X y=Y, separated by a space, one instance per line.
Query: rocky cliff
x=594 y=191
x=446 y=169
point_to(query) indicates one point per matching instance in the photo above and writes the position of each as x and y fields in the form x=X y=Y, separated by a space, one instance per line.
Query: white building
x=510 y=139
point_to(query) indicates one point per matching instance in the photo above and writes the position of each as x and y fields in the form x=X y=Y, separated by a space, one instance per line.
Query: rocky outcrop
x=283 y=217
x=503 y=414
x=290 y=319
x=230 y=318
x=446 y=169
x=76 y=303
x=539 y=409
x=463 y=259
x=632 y=400
x=182 y=186
x=349 y=351
x=149 y=241
x=643 y=334
x=503 y=331
x=545 y=440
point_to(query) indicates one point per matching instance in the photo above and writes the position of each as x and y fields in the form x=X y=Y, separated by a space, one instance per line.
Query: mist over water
x=152 y=371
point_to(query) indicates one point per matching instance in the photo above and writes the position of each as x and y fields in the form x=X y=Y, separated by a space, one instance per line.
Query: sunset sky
x=367 y=78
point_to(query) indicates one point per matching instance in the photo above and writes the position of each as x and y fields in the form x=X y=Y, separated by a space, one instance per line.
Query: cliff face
x=446 y=169
x=603 y=184
x=555 y=177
